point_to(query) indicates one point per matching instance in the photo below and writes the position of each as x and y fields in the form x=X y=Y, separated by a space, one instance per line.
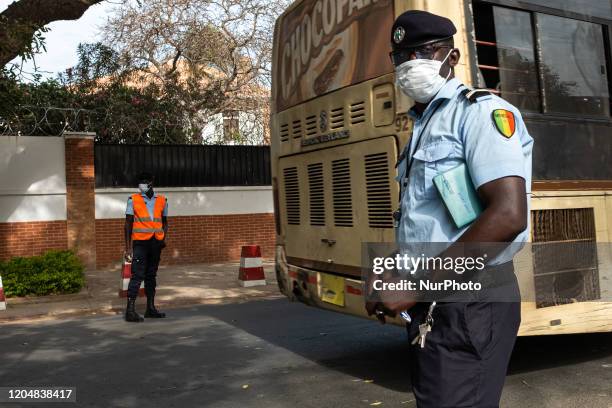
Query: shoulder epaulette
x=475 y=94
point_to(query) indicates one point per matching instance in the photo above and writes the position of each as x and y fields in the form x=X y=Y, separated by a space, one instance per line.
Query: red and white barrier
x=2 y=298
x=251 y=267
x=126 y=275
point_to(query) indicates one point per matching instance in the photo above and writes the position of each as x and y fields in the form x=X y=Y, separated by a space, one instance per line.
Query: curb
x=115 y=310
x=35 y=300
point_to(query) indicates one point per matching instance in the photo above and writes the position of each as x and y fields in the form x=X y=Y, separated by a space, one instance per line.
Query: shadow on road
x=361 y=348
x=544 y=352
x=387 y=345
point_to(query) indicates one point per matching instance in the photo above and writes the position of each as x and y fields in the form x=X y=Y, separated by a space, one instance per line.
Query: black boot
x=151 y=310
x=130 y=311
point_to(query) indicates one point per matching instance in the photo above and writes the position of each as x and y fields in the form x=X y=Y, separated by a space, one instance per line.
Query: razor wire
x=29 y=120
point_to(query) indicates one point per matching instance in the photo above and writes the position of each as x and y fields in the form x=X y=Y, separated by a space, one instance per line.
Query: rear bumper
x=305 y=285
x=308 y=286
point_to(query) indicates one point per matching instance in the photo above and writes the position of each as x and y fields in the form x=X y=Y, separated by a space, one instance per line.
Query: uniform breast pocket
x=434 y=159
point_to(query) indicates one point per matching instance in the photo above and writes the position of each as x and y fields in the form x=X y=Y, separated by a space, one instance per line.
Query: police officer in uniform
x=463 y=359
x=146 y=227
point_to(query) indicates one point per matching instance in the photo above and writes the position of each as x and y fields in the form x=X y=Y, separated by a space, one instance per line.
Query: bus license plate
x=332 y=289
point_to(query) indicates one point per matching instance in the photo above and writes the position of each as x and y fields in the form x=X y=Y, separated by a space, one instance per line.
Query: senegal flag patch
x=504 y=122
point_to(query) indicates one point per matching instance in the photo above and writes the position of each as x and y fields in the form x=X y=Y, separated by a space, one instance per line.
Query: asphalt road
x=272 y=353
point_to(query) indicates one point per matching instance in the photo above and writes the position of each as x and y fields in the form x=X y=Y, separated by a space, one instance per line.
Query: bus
x=338 y=123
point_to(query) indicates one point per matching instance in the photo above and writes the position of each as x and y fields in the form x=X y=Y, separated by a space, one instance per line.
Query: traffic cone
x=251 y=267
x=126 y=275
x=2 y=298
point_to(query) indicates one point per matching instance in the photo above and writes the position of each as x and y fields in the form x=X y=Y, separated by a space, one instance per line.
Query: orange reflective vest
x=146 y=226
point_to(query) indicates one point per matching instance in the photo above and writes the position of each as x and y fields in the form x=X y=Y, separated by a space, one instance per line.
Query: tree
x=22 y=20
x=210 y=56
x=169 y=71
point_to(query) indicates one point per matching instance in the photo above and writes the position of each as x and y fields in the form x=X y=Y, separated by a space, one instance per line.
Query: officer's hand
x=398 y=306
x=128 y=255
x=162 y=244
x=395 y=302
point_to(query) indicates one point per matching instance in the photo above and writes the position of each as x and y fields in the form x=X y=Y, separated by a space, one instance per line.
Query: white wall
x=184 y=201
x=32 y=179
x=33 y=188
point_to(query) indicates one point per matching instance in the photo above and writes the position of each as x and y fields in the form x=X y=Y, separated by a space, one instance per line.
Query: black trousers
x=466 y=355
x=145 y=261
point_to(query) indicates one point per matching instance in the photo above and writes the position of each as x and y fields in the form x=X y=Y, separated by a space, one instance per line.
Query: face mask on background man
x=420 y=78
x=144 y=188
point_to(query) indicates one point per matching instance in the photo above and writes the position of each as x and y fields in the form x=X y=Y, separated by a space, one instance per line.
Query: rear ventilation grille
x=296 y=129
x=357 y=113
x=563 y=225
x=380 y=211
x=564 y=253
x=284 y=132
x=311 y=125
x=292 y=195
x=337 y=118
x=317 y=197
x=341 y=187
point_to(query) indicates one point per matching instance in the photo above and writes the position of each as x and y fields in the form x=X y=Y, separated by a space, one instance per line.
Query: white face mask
x=143 y=188
x=420 y=78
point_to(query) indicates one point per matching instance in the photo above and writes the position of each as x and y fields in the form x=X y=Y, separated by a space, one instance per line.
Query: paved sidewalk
x=176 y=286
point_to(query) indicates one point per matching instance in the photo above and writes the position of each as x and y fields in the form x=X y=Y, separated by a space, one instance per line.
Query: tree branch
x=20 y=21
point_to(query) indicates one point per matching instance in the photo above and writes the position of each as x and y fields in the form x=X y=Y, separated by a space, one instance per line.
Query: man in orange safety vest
x=146 y=227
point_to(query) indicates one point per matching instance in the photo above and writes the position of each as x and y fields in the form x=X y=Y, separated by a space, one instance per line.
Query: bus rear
x=338 y=123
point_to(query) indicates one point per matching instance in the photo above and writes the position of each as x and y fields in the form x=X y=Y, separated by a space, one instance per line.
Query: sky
x=64 y=36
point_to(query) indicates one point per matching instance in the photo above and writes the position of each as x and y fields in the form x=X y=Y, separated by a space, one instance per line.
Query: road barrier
x=2 y=298
x=251 y=267
x=126 y=275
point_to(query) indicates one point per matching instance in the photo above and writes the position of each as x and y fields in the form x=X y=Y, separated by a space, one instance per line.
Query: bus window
x=506 y=56
x=572 y=61
x=553 y=66
x=574 y=66
x=518 y=76
x=597 y=8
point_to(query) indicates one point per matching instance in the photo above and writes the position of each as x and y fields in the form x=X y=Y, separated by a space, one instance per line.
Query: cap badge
x=399 y=34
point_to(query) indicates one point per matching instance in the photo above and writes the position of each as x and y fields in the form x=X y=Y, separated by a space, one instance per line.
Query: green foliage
x=55 y=272
x=22 y=106
x=96 y=96
x=95 y=61
x=36 y=46
x=28 y=37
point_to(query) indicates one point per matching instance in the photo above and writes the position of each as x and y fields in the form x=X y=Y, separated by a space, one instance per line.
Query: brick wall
x=31 y=238
x=80 y=197
x=194 y=239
